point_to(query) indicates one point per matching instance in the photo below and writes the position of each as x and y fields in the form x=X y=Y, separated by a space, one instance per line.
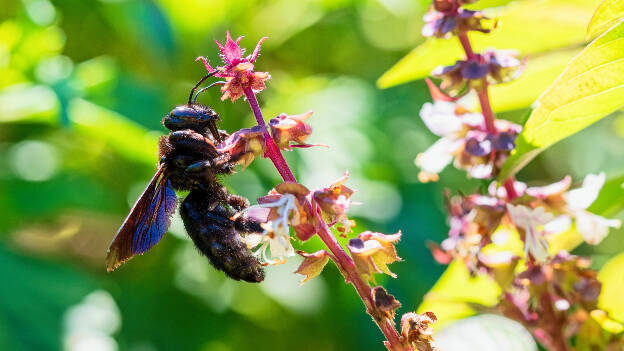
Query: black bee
x=189 y=160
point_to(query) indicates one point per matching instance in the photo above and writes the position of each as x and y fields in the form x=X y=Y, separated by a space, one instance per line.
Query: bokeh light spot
x=33 y=160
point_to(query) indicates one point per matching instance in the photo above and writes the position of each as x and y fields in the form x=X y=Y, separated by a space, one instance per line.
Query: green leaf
x=540 y=72
x=456 y=294
x=610 y=201
x=485 y=332
x=590 y=88
x=607 y=14
x=612 y=278
x=541 y=25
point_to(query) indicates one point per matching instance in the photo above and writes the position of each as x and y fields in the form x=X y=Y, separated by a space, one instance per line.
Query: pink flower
x=238 y=70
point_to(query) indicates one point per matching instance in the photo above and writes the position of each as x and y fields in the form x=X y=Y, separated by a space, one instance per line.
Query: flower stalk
x=338 y=255
x=556 y=339
x=272 y=151
x=291 y=204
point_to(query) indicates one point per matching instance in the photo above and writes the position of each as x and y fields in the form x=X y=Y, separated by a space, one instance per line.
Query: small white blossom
x=440 y=118
x=529 y=220
x=592 y=227
x=437 y=156
x=276 y=234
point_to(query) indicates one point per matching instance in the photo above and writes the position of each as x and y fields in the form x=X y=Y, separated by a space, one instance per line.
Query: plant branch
x=486 y=108
x=272 y=151
x=465 y=42
x=341 y=258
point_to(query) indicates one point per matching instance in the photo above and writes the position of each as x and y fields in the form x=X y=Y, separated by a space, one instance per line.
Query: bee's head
x=194 y=116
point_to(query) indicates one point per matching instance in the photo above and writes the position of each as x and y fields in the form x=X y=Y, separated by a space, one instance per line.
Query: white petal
x=481 y=171
x=519 y=215
x=280 y=249
x=537 y=246
x=558 y=225
x=581 y=198
x=473 y=119
x=437 y=156
x=252 y=240
x=440 y=118
x=527 y=218
x=539 y=216
x=542 y=192
x=594 y=228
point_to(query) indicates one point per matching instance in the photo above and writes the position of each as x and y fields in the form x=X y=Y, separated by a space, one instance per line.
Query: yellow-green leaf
x=537 y=77
x=529 y=26
x=456 y=293
x=610 y=201
x=590 y=88
x=612 y=278
x=607 y=14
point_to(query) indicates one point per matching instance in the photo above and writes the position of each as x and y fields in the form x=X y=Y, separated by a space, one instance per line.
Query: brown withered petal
x=269 y=198
x=384 y=301
x=312 y=265
x=372 y=252
x=292 y=188
x=244 y=144
x=416 y=329
x=305 y=231
x=535 y=275
x=361 y=253
x=444 y=5
x=588 y=289
x=287 y=129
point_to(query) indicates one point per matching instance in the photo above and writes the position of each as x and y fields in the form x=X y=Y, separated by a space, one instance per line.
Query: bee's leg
x=238 y=202
x=188 y=141
x=218 y=164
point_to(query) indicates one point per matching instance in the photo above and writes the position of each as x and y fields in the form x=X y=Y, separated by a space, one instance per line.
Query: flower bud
x=244 y=145
x=290 y=129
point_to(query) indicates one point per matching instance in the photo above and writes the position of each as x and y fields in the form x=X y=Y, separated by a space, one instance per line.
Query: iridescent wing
x=146 y=224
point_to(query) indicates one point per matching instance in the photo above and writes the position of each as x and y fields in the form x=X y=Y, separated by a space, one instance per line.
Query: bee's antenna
x=206 y=88
x=199 y=83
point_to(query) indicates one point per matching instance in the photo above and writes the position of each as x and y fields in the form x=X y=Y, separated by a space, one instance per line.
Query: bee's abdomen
x=216 y=236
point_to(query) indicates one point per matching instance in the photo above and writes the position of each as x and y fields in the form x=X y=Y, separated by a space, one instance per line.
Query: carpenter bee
x=190 y=161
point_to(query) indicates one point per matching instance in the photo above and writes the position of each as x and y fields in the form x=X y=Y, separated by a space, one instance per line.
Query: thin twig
x=339 y=255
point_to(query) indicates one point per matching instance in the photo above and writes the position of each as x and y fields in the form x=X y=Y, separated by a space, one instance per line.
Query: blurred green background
x=83 y=87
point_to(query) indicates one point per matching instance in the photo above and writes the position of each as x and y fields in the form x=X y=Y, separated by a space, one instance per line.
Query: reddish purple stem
x=272 y=151
x=486 y=108
x=556 y=339
x=343 y=261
